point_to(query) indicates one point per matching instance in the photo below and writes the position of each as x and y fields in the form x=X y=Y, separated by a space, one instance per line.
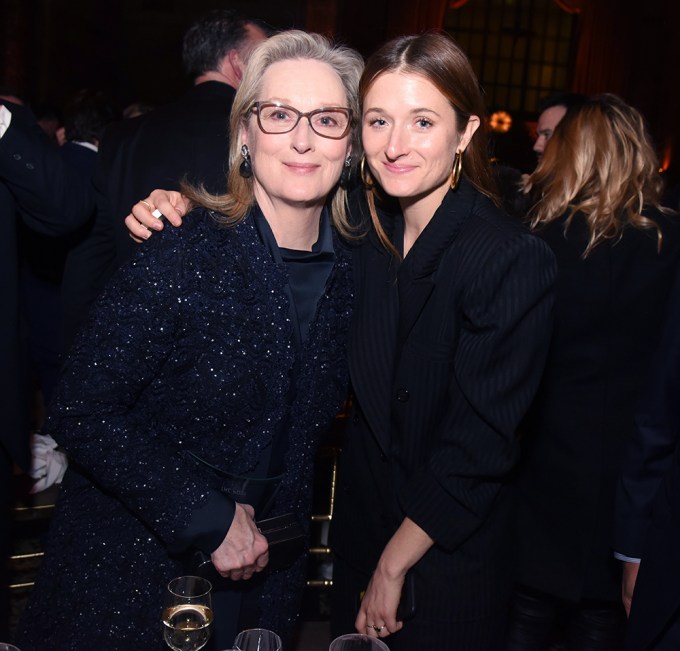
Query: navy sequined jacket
x=187 y=351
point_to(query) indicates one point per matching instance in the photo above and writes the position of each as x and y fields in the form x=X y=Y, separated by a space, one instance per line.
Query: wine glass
x=4 y=646
x=357 y=642
x=187 y=613
x=257 y=639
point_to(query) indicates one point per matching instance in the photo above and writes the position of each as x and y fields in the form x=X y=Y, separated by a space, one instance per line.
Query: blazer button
x=30 y=166
x=16 y=156
x=403 y=395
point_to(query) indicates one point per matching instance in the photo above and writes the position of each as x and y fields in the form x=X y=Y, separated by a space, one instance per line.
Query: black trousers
x=538 y=619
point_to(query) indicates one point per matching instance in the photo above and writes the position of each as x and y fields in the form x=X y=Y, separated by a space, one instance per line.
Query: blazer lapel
x=416 y=277
x=373 y=336
x=390 y=298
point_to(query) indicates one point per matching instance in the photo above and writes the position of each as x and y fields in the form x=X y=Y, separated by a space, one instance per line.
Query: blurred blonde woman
x=617 y=253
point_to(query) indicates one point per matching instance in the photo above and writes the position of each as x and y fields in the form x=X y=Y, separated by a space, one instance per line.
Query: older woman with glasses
x=193 y=400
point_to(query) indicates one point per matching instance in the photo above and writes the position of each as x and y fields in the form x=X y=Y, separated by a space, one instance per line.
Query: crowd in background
x=511 y=460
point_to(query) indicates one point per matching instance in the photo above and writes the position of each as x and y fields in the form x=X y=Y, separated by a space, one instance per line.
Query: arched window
x=521 y=50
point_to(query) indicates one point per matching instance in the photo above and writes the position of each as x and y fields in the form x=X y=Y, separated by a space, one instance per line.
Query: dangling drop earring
x=344 y=177
x=246 y=169
x=457 y=169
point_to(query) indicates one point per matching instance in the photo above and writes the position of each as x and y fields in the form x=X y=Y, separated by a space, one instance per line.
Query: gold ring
x=146 y=203
x=377 y=629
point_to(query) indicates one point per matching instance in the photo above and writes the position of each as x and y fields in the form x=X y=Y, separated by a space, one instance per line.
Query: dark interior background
x=131 y=48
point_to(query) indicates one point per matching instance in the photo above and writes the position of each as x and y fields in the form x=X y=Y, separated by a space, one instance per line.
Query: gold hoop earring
x=365 y=179
x=457 y=169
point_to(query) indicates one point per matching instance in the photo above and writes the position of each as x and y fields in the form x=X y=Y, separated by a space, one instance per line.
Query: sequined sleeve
x=109 y=409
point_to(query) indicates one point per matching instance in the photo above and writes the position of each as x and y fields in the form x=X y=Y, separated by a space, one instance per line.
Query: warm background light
x=500 y=122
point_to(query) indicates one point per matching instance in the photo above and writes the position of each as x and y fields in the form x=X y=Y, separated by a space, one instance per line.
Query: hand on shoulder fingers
x=378 y=610
x=145 y=216
x=243 y=551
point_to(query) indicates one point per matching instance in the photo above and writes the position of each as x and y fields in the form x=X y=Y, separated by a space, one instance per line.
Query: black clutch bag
x=407 y=604
x=286 y=541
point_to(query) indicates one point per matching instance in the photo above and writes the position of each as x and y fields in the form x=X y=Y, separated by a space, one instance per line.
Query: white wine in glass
x=187 y=613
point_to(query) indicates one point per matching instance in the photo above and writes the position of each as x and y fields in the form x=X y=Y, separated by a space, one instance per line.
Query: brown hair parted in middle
x=438 y=59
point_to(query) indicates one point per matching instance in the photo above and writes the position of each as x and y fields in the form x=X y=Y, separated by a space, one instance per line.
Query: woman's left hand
x=244 y=550
x=378 y=611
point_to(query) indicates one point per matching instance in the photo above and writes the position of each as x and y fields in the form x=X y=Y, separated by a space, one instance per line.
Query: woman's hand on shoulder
x=244 y=550
x=147 y=214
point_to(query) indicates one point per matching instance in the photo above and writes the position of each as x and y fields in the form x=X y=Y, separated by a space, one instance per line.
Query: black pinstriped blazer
x=447 y=349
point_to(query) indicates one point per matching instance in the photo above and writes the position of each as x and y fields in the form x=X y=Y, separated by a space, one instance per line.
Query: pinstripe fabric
x=446 y=352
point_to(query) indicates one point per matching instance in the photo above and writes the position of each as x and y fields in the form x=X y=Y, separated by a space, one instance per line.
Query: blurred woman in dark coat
x=617 y=254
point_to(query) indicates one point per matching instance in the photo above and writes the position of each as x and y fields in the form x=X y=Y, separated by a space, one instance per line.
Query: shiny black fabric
x=538 y=619
x=188 y=351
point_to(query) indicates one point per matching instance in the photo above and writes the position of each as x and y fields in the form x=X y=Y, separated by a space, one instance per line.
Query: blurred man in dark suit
x=39 y=189
x=43 y=257
x=551 y=111
x=185 y=139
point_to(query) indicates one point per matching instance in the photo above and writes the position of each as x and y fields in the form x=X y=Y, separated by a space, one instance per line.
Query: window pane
x=475 y=48
x=515 y=99
x=547 y=76
x=550 y=51
x=489 y=71
x=533 y=75
x=521 y=48
x=492 y=46
x=536 y=54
